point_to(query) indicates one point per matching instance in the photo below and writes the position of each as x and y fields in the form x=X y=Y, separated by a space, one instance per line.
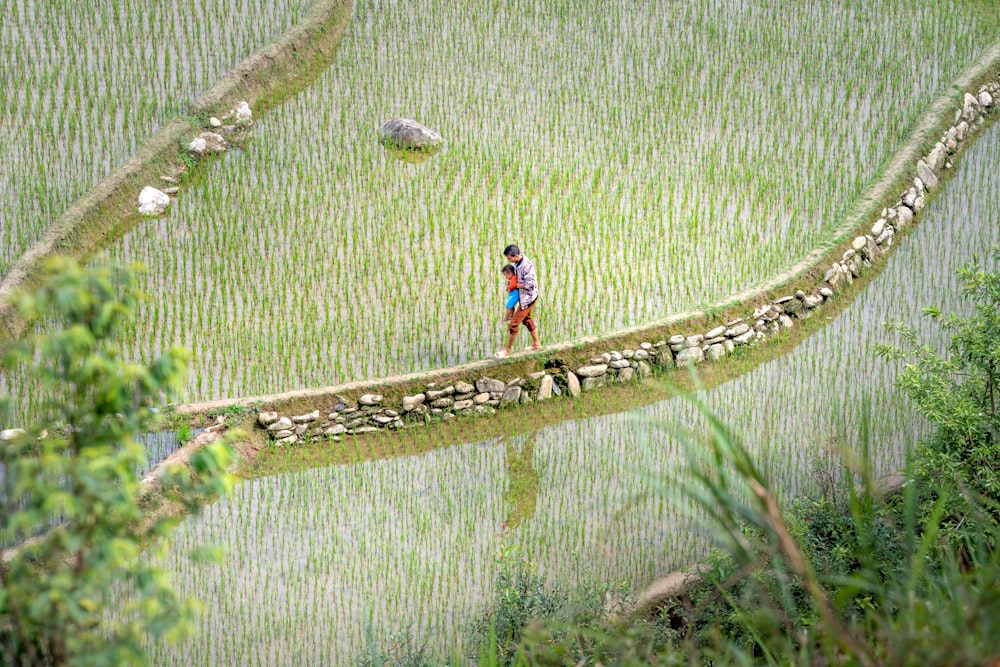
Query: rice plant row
x=81 y=90
x=649 y=157
x=321 y=562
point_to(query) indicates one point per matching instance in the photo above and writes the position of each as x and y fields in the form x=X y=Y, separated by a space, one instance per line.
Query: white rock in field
x=639 y=355
x=643 y=369
x=370 y=399
x=152 y=201
x=618 y=364
x=626 y=375
x=11 y=434
x=936 y=157
x=481 y=399
x=985 y=99
x=409 y=134
x=859 y=243
x=243 y=113
x=919 y=203
x=464 y=387
x=878 y=227
x=489 y=386
x=214 y=122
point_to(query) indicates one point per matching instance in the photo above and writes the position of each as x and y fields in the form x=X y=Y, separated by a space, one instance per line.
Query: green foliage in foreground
x=850 y=578
x=70 y=492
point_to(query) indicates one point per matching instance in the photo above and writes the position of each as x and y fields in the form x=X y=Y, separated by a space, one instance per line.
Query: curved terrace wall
x=264 y=79
x=888 y=208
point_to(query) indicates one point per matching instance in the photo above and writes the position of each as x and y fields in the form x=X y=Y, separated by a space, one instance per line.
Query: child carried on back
x=513 y=294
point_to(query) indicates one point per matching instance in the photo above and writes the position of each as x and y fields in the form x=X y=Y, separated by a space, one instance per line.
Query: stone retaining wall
x=474 y=393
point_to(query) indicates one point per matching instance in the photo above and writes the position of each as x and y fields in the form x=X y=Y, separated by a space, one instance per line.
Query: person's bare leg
x=510 y=342
x=536 y=344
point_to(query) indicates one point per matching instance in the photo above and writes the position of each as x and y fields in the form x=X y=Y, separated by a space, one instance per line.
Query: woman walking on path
x=527 y=284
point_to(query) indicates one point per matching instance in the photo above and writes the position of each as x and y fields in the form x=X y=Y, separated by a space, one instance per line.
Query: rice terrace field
x=650 y=157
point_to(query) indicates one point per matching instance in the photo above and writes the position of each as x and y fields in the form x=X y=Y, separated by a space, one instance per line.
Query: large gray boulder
x=406 y=133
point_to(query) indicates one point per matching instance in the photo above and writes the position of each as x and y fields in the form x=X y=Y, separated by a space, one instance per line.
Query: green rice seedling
x=647 y=158
x=320 y=559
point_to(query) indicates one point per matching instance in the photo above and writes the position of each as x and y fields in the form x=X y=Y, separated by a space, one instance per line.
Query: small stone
x=926 y=175
x=572 y=384
x=858 y=243
x=628 y=354
x=434 y=394
x=382 y=420
x=970 y=108
x=370 y=399
x=364 y=429
x=411 y=402
x=214 y=122
x=825 y=292
x=639 y=355
x=592 y=383
x=961 y=131
x=677 y=339
x=919 y=203
x=290 y=440
x=10 y=434
x=738 y=330
x=516 y=382
x=606 y=358
x=545 y=388
x=878 y=226
x=785 y=321
x=243 y=112
x=283 y=433
x=536 y=376
x=510 y=396
x=152 y=201
x=626 y=375
x=303 y=419
x=171 y=190
x=985 y=99
x=811 y=301
x=489 y=385
x=208 y=143
x=592 y=371
x=745 y=338
x=694 y=355
x=643 y=369
x=170 y=180
x=616 y=356
x=336 y=429
x=619 y=364
x=442 y=403
x=693 y=341
x=904 y=216
x=480 y=399
x=301 y=428
x=646 y=346
x=280 y=425
x=714 y=352
x=267 y=418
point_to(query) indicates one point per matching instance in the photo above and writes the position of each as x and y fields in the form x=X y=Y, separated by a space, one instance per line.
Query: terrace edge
x=807 y=274
x=266 y=78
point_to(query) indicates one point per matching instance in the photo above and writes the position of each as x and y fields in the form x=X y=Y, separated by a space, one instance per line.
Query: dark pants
x=522 y=315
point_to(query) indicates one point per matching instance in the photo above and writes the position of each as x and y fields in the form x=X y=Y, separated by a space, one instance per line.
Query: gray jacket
x=525 y=271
